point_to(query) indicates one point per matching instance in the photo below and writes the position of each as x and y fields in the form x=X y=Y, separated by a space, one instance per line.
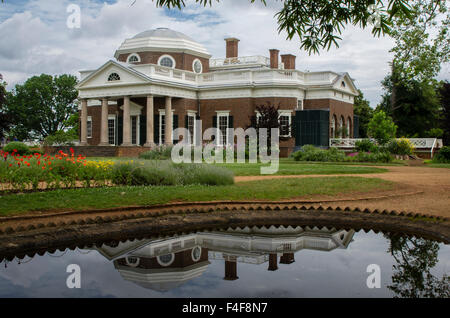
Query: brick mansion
x=162 y=79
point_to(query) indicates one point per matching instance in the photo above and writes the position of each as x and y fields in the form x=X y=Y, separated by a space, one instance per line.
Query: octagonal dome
x=162 y=40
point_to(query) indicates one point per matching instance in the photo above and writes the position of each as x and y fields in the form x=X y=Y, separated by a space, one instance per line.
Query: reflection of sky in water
x=339 y=273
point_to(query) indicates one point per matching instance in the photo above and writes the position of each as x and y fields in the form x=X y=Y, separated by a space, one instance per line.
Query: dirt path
x=433 y=183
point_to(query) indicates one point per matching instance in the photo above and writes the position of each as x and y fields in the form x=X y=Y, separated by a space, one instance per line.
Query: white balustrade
x=419 y=143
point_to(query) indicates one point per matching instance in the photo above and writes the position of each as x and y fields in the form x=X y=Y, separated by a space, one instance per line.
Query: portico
x=131 y=115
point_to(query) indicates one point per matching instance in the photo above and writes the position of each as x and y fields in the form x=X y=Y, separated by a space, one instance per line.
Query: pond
x=275 y=261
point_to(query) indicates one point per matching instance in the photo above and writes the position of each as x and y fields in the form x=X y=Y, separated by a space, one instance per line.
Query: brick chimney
x=288 y=61
x=274 y=58
x=232 y=47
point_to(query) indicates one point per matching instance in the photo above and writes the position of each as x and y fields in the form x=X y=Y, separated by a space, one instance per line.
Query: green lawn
x=274 y=189
x=299 y=168
x=287 y=167
x=431 y=164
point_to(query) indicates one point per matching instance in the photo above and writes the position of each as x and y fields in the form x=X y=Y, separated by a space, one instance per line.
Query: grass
x=431 y=164
x=288 y=167
x=299 y=168
x=275 y=189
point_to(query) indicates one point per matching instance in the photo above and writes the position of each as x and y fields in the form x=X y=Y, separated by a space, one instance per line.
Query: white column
x=169 y=121
x=104 y=124
x=83 y=123
x=149 y=142
x=126 y=122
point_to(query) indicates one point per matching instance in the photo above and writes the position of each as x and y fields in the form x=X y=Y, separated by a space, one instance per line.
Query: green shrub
x=366 y=145
x=20 y=148
x=443 y=156
x=159 y=153
x=61 y=138
x=400 y=147
x=311 y=153
x=168 y=173
x=372 y=157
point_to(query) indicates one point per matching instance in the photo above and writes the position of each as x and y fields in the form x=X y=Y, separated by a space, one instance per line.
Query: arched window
x=166 y=260
x=341 y=126
x=333 y=127
x=197 y=66
x=133 y=58
x=196 y=253
x=167 y=61
x=113 y=77
x=343 y=84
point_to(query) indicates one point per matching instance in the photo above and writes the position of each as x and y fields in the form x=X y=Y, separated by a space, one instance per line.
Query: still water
x=247 y=262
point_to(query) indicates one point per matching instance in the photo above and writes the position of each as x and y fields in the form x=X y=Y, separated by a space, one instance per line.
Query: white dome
x=162 y=40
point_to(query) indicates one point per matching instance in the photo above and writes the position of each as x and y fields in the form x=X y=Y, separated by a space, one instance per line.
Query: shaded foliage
x=412 y=278
x=362 y=109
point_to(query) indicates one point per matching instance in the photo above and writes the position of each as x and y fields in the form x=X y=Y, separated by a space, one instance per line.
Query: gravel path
x=433 y=183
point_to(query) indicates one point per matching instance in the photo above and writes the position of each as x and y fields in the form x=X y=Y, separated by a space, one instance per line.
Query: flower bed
x=36 y=172
x=27 y=172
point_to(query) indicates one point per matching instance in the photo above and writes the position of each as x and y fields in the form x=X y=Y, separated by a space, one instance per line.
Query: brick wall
x=183 y=61
x=337 y=108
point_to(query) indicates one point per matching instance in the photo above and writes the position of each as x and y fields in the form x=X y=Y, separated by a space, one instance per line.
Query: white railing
x=240 y=76
x=419 y=143
x=243 y=60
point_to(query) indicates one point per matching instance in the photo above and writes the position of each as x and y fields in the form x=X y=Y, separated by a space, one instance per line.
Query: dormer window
x=113 y=77
x=134 y=58
x=343 y=84
x=167 y=61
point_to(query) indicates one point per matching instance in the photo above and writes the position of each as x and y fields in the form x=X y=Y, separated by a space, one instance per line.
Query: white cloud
x=35 y=38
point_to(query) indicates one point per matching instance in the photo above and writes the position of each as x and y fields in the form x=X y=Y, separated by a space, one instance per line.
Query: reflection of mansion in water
x=167 y=263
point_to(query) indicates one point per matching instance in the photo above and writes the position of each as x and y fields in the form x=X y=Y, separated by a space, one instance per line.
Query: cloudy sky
x=35 y=39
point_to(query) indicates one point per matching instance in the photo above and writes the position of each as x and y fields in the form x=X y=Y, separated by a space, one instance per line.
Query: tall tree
x=5 y=121
x=362 y=109
x=422 y=41
x=319 y=24
x=417 y=108
x=43 y=105
x=444 y=97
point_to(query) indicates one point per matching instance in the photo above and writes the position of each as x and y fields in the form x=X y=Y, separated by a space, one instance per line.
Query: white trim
x=196 y=259
x=132 y=264
x=193 y=114
x=287 y=113
x=113 y=117
x=168 y=56
x=158 y=259
x=131 y=55
x=162 y=112
x=219 y=133
x=89 y=120
x=201 y=66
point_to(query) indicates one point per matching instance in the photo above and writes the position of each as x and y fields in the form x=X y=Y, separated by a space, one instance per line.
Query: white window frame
x=116 y=80
x=201 y=66
x=300 y=104
x=113 y=117
x=219 y=115
x=170 y=57
x=138 y=129
x=89 y=127
x=287 y=113
x=131 y=55
x=161 y=114
x=160 y=262
x=194 y=115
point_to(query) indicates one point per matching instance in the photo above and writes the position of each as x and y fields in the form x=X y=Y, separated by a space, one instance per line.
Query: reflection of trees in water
x=415 y=257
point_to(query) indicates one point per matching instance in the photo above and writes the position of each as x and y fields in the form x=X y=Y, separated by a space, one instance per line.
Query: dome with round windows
x=162 y=40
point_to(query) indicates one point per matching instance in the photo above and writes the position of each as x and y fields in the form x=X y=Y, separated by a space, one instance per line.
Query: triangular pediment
x=99 y=77
x=345 y=83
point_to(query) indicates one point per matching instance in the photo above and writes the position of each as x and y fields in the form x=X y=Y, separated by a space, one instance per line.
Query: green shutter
x=230 y=122
x=214 y=123
x=120 y=130
x=142 y=130
x=156 y=129
x=175 y=126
